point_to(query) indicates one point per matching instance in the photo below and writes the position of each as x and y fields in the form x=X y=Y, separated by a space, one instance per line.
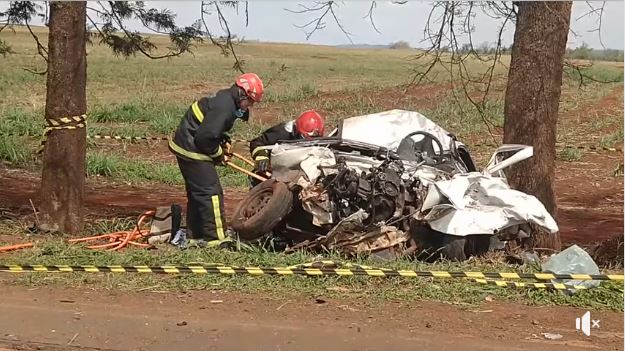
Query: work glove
x=226 y=143
x=226 y=139
x=222 y=159
x=261 y=164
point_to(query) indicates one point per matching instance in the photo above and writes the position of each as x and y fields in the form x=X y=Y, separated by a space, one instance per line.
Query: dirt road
x=54 y=319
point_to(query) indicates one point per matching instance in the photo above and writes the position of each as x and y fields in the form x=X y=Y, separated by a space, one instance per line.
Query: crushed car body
x=394 y=181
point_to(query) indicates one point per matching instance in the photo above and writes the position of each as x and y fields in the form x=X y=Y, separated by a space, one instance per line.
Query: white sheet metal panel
x=388 y=128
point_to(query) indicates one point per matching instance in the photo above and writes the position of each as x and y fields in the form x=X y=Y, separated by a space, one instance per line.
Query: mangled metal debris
x=350 y=236
x=474 y=203
x=396 y=179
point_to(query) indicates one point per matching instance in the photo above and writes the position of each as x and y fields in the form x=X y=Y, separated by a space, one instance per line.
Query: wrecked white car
x=392 y=183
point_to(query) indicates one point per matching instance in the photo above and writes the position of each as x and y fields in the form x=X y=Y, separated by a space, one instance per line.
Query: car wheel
x=262 y=209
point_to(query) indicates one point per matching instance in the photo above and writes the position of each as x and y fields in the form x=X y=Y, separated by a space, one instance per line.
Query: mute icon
x=583 y=323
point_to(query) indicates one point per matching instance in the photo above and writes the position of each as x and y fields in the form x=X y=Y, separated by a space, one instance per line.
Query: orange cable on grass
x=15 y=247
x=120 y=239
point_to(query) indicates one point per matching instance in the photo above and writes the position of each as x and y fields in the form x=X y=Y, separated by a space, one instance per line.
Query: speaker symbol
x=583 y=323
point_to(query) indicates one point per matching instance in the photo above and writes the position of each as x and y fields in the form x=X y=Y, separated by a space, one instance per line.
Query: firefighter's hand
x=227 y=148
x=226 y=139
x=261 y=164
x=226 y=144
x=221 y=160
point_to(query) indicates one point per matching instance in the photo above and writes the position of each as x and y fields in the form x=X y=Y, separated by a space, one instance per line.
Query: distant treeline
x=585 y=53
x=582 y=52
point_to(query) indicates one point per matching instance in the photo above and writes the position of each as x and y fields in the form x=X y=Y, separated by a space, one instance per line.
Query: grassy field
x=139 y=97
x=142 y=97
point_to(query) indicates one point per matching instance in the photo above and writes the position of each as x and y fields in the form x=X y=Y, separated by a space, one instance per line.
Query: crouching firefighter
x=307 y=125
x=200 y=143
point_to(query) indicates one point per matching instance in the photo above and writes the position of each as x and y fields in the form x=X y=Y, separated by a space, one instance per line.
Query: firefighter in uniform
x=307 y=125
x=199 y=144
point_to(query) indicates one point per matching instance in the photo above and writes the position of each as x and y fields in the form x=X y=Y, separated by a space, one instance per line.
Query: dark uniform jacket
x=201 y=131
x=282 y=131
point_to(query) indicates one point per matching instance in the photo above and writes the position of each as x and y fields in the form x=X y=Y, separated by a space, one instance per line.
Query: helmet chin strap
x=240 y=96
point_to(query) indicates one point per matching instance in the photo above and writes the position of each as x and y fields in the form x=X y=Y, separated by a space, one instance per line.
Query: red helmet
x=310 y=124
x=252 y=85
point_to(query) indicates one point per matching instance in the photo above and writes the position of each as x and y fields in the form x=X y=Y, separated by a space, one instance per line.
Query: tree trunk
x=63 y=176
x=532 y=98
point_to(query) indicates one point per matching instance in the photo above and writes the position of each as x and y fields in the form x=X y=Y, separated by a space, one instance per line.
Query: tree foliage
x=111 y=30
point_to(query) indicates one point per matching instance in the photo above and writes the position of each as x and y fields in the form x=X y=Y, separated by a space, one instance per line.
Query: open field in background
x=139 y=97
x=142 y=97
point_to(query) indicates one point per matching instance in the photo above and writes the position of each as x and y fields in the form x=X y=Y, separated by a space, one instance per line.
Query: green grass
x=15 y=152
x=464 y=119
x=599 y=72
x=609 y=140
x=182 y=79
x=600 y=123
x=141 y=171
x=19 y=121
x=293 y=93
x=458 y=291
x=570 y=154
x=128 y=170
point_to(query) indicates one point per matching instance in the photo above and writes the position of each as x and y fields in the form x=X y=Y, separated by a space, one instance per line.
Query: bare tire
x=262 y=209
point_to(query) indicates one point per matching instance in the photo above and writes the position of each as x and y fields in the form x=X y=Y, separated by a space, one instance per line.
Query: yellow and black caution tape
x=119 y=137
x=137 y=138
x=535 y=285
x=100 y=136
x=63 y=123
x=500 y=283
x=355 y=271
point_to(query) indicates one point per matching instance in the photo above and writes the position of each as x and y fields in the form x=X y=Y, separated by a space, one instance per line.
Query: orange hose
x=120 y=239
x=15 y=247
x=139 y=244
x=103 y=246
x=132 y=234
x=90 y=238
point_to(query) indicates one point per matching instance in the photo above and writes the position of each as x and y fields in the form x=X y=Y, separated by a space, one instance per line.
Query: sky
x=269 y=21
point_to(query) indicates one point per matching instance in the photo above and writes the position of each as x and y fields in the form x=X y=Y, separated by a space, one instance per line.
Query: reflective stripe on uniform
x=289 y=126
x=257 y=150
x=197 y=112
x=219 y=228
x=217 y=153
x=189 y=154
x=261 y=158
x=207 y=244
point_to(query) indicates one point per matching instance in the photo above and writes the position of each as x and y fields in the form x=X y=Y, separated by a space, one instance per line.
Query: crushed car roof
x=388 y=128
